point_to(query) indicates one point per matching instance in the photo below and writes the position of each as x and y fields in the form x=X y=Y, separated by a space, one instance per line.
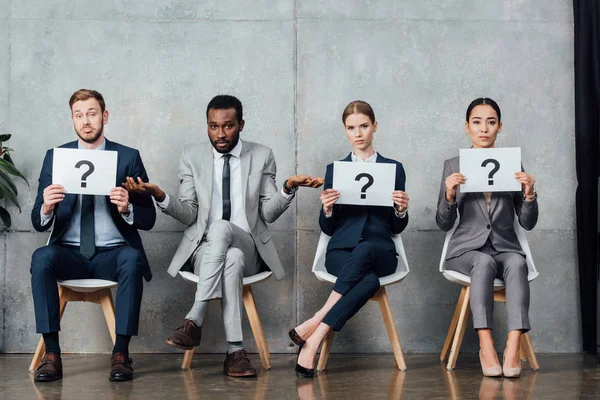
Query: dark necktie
x=87 y=245
x=226 y=187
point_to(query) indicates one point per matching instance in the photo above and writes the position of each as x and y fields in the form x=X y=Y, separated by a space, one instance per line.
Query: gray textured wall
x=295 y=65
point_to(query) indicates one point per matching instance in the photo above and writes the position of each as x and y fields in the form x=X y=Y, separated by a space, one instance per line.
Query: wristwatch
x=129 y=210
x=288 y=190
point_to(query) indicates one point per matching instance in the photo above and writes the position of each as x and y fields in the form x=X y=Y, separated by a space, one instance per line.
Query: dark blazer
x=129 y=163
x=350 y=224
x=476 y=223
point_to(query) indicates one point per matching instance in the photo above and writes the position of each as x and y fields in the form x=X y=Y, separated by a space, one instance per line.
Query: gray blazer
x=262 y=199
x=476 y=225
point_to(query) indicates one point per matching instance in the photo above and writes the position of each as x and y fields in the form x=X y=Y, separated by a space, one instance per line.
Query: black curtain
x=587 y=141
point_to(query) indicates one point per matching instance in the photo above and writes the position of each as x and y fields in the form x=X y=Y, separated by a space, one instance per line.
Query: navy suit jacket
x=129 y=163
x=351 y=224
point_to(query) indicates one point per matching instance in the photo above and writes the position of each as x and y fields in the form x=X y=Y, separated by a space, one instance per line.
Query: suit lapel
x=494 y=202
x=245 y=159
x=484 y=210
x=206 y=179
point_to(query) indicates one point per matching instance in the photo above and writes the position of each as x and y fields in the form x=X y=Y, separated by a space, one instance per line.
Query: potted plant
x=8 y=189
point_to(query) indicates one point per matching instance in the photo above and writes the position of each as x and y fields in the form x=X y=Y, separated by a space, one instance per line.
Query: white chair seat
x=321 y=273
x=462 y=279
x=87 y=285
x=248 y=280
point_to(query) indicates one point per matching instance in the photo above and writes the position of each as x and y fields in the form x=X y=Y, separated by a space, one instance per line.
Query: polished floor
x=157 y=376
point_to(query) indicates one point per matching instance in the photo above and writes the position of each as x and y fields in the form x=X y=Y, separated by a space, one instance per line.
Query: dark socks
x=122 y=344
x=51 y=342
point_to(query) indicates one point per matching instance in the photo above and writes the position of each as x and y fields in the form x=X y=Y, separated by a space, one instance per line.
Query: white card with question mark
x=367 y=184
x=490 y=170
x=85 y=171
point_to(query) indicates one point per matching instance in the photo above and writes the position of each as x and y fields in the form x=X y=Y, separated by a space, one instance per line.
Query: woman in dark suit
x=360 y=249
x=485 y=245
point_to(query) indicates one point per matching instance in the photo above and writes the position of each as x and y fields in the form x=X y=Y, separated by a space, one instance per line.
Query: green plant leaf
x=9 y=194
x=5 y=217
x=4 y=137
x=11 y=169
x=7 y=181
x=8 y=158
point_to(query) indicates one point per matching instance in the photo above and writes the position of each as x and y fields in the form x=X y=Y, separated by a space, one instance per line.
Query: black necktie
x=87 y=240
x=226 y=187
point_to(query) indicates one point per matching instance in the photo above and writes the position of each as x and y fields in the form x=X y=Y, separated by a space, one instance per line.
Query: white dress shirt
x=238 y=212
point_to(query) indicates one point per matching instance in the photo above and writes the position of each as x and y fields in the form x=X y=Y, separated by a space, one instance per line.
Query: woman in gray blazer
x=485 y=245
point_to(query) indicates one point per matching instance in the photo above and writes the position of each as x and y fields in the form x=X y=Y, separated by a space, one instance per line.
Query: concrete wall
x=295 y=65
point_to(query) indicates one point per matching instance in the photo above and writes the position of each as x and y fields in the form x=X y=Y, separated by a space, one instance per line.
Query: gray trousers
x=224 y=257
x=483 y=266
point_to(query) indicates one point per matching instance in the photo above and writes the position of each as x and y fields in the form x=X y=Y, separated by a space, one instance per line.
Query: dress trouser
x=483 y=266
x=123 y=264
x=358 y=271
x=224 y=257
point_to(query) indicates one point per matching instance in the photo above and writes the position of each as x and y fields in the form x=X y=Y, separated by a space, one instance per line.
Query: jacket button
x=488 y=226
x=360 y=238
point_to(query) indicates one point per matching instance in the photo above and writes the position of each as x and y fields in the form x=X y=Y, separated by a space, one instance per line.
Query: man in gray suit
x=227 y=195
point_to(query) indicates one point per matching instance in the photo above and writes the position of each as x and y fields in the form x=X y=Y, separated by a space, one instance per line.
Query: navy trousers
x=358 y=271
x=122 y=264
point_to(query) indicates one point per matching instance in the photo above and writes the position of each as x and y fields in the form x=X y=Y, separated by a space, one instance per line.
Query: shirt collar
x=371 y=159
x=236 y=151
x=101 y=147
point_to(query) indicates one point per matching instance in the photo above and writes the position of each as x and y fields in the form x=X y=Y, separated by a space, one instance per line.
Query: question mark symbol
x=493 y=171
x=87 y=173
x=363 y=191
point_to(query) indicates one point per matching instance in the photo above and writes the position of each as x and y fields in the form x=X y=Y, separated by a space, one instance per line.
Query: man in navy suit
x=92 y=237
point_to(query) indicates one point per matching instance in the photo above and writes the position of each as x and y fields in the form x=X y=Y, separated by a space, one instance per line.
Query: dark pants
x=358 y=271
x=122 y=264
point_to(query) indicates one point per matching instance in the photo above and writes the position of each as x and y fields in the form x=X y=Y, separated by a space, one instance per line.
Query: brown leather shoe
x=50 y=368
x=237 y=364
x=121 y=369
x=187 y=336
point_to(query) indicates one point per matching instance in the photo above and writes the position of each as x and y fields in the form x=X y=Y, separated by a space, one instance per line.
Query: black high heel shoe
x=304 y=372
x=296 y=338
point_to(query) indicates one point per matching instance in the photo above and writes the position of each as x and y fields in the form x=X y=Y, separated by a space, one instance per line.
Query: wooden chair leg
x=522 y=352
x=529 y=352
x=187 y=359
x=108 y=308
x=325 y=349
x=460 y=329
x=386 y=312
x=257 y=329
x=453 y=323
x=63 y=294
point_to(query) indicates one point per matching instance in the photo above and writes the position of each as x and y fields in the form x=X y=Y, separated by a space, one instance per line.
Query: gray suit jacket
x=476 y=224
x=262 y=199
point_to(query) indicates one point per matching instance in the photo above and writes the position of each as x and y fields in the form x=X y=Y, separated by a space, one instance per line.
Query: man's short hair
x=225 y=102
x=85 y=94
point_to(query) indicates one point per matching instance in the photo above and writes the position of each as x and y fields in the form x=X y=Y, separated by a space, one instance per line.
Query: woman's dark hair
x=225 y=102
x=483 y=101
x=359 y=107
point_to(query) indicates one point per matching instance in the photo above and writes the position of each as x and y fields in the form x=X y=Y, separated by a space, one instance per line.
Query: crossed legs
x=358 y=271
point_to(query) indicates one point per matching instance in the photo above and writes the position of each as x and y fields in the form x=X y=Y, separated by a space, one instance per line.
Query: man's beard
x=231 y=144
x=91 y=139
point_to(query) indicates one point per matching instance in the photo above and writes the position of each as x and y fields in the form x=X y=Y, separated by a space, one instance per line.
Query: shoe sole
x=172 y=343
x=119 y=378
x=240 y=374
x=47 y=380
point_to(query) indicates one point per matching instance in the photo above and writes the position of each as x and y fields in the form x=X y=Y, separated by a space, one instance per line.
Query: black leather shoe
x=121 y=369
x=304 y=372
x=301 y=371
x=50 y=368
x=296 y=338
x=187 y=336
